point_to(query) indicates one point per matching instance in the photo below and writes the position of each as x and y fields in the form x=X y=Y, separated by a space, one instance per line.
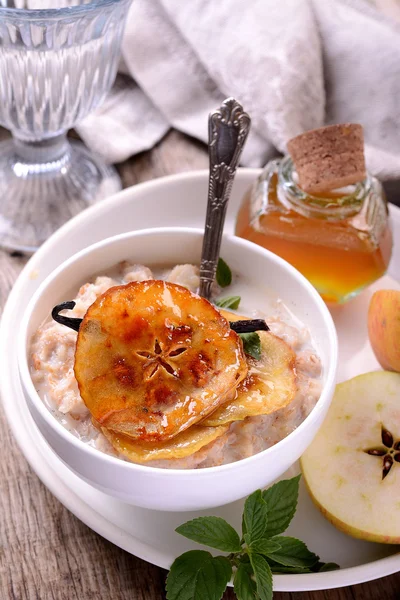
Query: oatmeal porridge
x=230 y=438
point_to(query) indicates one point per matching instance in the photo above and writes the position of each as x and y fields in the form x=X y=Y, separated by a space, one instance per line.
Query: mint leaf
x=293 y=553
x=317 y=568
x=228 y=302
x=255 y=516
x=281 y=500
x=211 y=531
x=243 y=584
x=263 y=576
x=251 y=344
x=275 y=568
x=196 y=575
x=224 y=274
x=244 y=529
x=264 y=546
x=324 y=567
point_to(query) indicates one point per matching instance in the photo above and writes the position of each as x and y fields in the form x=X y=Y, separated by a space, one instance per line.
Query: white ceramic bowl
x=167 y=489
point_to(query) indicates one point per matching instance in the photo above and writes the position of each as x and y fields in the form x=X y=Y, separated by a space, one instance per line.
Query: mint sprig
x=252 y=559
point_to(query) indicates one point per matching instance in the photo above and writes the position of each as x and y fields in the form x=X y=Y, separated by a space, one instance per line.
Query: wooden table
x=46 y=552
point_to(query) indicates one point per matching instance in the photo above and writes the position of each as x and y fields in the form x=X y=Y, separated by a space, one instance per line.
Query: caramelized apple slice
x=152 y=359
x=184 y=444
x=270 y=383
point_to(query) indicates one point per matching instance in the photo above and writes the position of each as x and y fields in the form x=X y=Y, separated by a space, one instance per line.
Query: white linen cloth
x=293 y=64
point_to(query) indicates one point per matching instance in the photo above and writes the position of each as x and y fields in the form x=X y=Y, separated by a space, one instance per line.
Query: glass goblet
x=58 y=59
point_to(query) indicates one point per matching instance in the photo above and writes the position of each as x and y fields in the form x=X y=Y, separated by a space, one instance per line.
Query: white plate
x=180 y=201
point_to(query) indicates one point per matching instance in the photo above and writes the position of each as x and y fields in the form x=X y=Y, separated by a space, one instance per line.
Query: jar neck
x=337 y=204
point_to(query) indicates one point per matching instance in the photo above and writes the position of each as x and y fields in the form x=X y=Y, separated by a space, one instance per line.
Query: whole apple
x=384 y=328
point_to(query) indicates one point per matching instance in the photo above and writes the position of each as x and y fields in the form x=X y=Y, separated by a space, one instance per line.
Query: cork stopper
x=329 y=158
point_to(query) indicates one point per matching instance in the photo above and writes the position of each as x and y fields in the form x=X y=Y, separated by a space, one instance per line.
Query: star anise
x=389 y=452
x=160 y=357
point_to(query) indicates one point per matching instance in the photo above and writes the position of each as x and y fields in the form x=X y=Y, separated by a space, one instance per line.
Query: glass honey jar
x=340 y=240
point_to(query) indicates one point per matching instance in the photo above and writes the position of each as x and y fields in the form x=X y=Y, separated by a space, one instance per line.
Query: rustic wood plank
x=48 y=554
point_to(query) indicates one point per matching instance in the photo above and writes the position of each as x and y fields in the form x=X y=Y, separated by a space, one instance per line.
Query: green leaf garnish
x=196 y=575
x=244 y=530
x=264 y=546
x=319 y=567
x=281 y=500
x=293 y=553
x=278 y=569
x=255 y=516
x=228 y=302
x=211 y=531
x=251 y=344
x=243 y=585
x=263 y=576
x=224 y=274
x=247 y=538
x=329 y=566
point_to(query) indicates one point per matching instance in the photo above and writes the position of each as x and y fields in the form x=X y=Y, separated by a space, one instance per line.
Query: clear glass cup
x=58 y=59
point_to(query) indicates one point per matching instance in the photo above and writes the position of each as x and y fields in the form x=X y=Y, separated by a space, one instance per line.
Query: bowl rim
x=80 y=445
x=63 y=13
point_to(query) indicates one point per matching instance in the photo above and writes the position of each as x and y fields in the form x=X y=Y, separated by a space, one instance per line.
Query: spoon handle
x=228 y=128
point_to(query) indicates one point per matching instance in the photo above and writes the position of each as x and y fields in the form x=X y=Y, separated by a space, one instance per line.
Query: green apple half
x=352 y=468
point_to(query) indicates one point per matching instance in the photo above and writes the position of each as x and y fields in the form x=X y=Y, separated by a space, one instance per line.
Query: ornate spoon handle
x=228 y=128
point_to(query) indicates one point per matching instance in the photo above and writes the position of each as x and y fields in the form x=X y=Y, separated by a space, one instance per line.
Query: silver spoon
x=228 y=128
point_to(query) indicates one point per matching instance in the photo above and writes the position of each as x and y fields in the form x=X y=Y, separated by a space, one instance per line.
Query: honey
x=341 y=241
